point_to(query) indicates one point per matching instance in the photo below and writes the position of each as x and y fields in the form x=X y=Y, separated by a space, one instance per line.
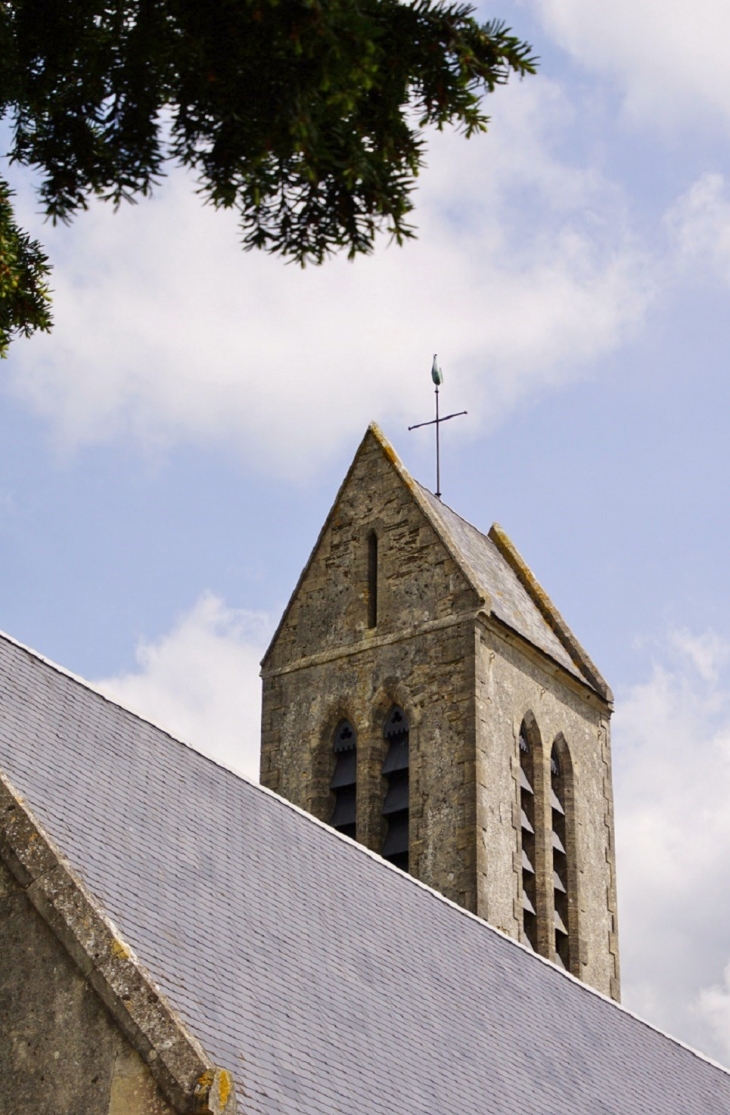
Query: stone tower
x=423 y=695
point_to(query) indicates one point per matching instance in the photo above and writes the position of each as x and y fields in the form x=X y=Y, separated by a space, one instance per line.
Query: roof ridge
x=185 y=1074
x=547 y=609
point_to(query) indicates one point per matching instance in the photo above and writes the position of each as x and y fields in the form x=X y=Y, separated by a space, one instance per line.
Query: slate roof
x=510 y=600
x=326 y=980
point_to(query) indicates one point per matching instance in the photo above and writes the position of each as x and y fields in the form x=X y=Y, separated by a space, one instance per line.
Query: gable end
x=374 y=447
x=187 y=1078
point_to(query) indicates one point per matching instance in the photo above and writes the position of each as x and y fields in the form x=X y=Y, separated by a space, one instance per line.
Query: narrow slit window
x=372 y=579
x=344 y=780
x=560 y=862
x=395 y=805
x=527 y=837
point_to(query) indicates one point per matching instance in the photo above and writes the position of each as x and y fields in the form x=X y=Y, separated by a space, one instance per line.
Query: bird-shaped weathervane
x=438 y=378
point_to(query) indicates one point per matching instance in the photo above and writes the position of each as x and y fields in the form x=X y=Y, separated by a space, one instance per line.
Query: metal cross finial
x=438 y=378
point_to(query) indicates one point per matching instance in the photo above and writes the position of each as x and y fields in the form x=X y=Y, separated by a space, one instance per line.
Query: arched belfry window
x=344 y=780
x=527 y=834
x=561 y=867
x=395 y=772
x=372 y=579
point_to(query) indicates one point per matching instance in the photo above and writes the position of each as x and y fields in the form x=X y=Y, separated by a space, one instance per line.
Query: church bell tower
x=423 y=696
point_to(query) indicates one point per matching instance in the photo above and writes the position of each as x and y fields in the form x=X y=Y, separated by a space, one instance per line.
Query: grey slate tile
x=511 y=603
x=323 y=979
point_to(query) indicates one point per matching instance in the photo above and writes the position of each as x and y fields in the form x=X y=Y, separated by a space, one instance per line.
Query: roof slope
x=513 y=593
x=491 y=565
x=323 y=978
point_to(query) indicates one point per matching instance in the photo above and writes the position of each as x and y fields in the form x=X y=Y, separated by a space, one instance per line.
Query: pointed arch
x=396 y=774
x=565 y=904
x=344 y=780
x=530 y=751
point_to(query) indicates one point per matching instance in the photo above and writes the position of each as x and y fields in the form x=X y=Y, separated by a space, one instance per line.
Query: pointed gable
x=439 y=564
x=419 y=578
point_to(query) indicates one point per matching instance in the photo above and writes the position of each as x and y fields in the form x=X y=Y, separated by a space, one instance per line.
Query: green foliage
x=304 y=115
x=24 y=293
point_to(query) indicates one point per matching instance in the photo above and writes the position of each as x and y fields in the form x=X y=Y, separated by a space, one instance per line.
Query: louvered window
x=560 y=861
x=344 y=780
x=527 y=832
x=395 y=805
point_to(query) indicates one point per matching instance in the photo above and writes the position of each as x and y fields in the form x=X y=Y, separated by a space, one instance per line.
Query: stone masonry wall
x=326 y=664
x=431 y=677
x=465 y=683
x=514 y=684
x=60 y=1052
x=419 y=582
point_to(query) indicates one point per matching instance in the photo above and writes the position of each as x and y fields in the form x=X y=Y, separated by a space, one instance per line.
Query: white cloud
x=672 y=780
x=700 y=224
x=200 y=682
x=713 y=1004
x=523 y=275
x=671 y=58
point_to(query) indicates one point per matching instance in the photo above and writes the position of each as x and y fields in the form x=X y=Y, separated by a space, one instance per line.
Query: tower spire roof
x=492 y=566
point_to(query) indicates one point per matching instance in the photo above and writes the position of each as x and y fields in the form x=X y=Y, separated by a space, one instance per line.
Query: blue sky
x=167 y=455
